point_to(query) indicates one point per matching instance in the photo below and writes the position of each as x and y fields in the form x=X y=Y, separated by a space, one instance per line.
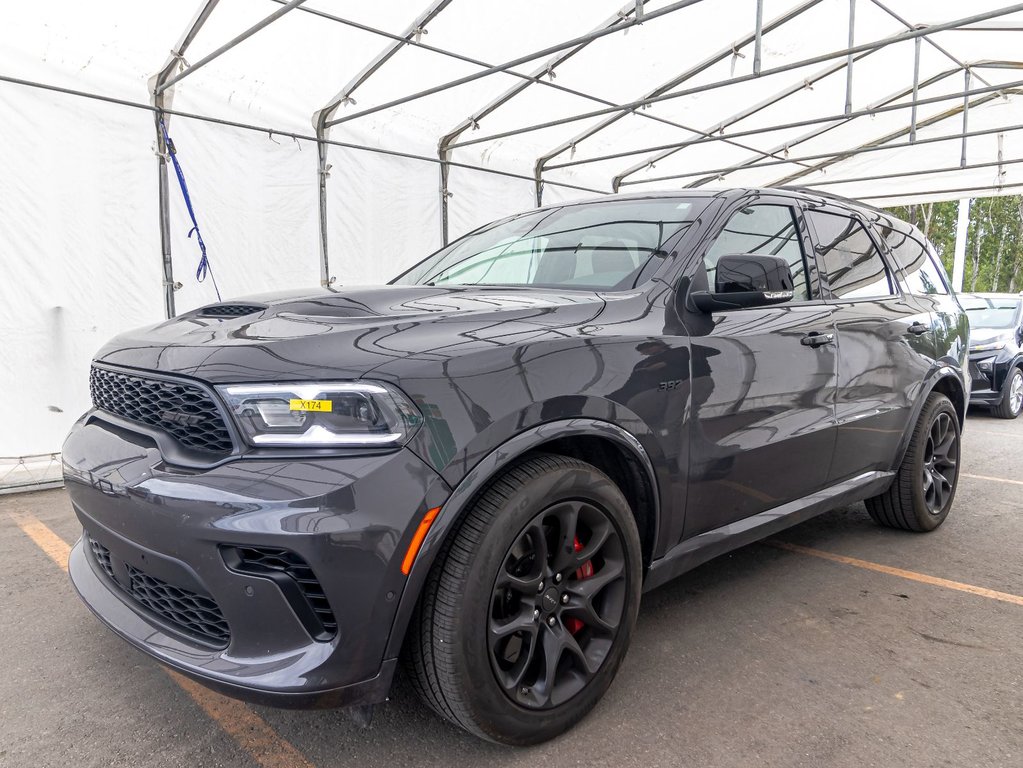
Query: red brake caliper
x=584 y=571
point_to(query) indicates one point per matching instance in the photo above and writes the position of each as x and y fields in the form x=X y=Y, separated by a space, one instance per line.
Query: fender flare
x=937 y=374
x=477 y=478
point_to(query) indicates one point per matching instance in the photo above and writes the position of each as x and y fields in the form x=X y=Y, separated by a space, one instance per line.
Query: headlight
x=990 y=346
x=342 y=414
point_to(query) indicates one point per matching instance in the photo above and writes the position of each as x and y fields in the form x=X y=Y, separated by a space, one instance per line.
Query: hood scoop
x=230 y=310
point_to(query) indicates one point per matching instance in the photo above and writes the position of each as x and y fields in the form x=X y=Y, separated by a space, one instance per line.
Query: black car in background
x=996 y=351
x=479 y=468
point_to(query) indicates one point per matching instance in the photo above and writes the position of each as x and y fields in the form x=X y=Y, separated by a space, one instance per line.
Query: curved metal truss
x=541 y=68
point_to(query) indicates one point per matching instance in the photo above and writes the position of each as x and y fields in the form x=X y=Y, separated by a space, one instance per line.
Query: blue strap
x=204 y=267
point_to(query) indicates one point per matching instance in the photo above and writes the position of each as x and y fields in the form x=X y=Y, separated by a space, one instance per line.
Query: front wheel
x=921 y=495
x=1012 y=396
x=529 y=612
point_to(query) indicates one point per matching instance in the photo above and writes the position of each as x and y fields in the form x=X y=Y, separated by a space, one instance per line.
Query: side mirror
x=747 y=280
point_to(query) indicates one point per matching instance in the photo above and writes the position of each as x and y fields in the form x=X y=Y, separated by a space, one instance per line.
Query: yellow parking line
x=251 y=732
x=923 y=578
x=993 y=479
x=54 y=546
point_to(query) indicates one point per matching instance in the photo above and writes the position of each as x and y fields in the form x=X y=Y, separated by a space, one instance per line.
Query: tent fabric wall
x=76 y=246
x=80 y=255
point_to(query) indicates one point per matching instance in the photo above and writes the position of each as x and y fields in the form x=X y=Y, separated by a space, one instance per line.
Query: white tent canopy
x=334 y=140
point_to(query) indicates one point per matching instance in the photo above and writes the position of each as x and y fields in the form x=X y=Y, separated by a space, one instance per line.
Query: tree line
x=994 y=240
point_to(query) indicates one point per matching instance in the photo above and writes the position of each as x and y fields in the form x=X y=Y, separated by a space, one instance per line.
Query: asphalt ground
x=839 y=643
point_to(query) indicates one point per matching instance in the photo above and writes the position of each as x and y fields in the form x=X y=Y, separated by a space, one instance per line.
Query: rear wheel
x=524 y=621
x=1012 y=396
x=925 y=484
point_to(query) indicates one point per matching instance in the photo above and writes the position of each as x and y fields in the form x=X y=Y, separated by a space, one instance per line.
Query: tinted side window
x=923 y=276
x=849 y=258
x=764 y=229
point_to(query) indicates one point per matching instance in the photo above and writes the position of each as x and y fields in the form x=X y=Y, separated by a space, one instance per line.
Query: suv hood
x=347 y=333
x=987 y=335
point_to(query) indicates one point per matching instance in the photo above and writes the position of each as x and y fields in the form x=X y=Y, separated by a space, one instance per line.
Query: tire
x=1012 y=396
x=920 y=497
x=552 y=519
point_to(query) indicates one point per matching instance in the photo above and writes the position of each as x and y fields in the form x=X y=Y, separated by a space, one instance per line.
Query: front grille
x=184 y=411
x=186 y=610
x=285 y=566
x=230 y=310
x=102 y=555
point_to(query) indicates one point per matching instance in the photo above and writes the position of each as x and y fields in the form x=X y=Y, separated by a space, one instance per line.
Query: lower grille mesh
x=102 y=555
x=194 y=614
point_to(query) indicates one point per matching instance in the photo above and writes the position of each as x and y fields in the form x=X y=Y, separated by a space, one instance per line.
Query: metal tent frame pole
x=278 y=132
x=547 y=68
x=888 y=137
x=997 y=91
x=907 y=174
x=668 y=86
x=871 y=109
x=159 y=87
x=711 y=135
x=942 y=194
x=716 y=133
x=228 y=45
x=819 y=59
x=159 y=98
x=176 y=69
x=543 y=53
x=829 y=155
x=321 y=119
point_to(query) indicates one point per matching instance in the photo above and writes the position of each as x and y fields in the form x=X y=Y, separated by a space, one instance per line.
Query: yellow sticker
x=310 y=405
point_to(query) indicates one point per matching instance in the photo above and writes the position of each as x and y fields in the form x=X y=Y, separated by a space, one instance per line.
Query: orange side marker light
x=417 y=540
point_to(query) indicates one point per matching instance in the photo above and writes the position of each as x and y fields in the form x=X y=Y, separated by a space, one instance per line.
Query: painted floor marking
x=993 y=433
x=50 y=543
x=251 y=732
x=992 y=479
x=923 y=578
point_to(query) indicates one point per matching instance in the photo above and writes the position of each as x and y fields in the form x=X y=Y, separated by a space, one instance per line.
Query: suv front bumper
x=349 y=518
x=988 y=371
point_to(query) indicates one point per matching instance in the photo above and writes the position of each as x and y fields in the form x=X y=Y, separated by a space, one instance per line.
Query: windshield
x=601 y=246
x=991 y=313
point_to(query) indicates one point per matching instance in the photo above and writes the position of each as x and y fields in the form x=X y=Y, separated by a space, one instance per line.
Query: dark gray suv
x=996 y=351
x=480 y=467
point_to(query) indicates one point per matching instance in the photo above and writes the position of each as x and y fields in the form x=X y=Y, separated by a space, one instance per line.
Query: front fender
x=476 y=479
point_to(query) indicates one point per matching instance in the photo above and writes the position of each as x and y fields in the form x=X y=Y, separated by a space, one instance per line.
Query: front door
x=763 y=381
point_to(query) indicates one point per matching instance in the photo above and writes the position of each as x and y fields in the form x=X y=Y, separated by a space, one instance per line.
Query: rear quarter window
x=849 y=259
x=922 y=274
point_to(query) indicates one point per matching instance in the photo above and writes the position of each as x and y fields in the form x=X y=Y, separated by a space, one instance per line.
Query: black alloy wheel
x=557 y=603
x=531 y=604
x=1012 y=395
x=923 y=489
x=941 y=462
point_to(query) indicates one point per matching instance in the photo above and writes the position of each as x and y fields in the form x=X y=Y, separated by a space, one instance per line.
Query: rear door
x=763 y=379
x=923 y=278
x=885 y=342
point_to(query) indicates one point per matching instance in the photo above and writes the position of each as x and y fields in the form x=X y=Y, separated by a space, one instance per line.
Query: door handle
x=919 y=328
x=817 y=339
